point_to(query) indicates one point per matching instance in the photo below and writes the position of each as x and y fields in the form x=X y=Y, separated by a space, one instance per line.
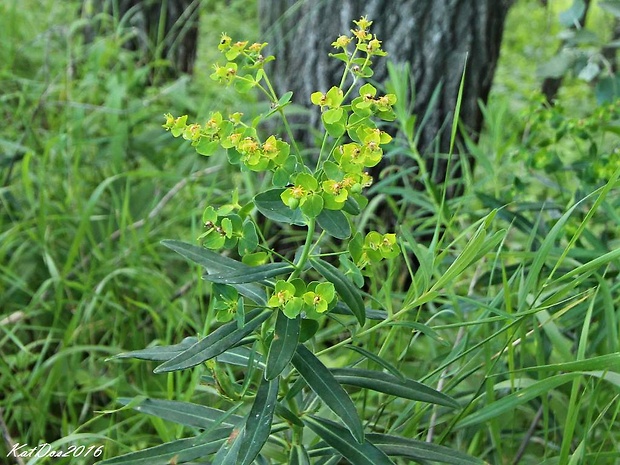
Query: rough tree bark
x=163 y=28
x=435 y=36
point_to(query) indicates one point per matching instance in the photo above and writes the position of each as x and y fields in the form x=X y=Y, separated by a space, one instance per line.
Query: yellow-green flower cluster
x=373 y=248
x=294 y=298
x=232 y=135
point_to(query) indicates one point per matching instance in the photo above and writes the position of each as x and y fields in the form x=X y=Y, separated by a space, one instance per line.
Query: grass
x=513 y=309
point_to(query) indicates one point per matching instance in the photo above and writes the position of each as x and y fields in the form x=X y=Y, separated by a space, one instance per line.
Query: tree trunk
x=437 y=37
x=165 y=29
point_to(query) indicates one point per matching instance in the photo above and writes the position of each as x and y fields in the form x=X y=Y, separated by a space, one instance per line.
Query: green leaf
x=378 y=360
x=371 y=313
x=332 y=115
x=215 y=343
x=610 y=362
x=184 y=450
x=308 y=329
x=347 y=291
x=334 y=223
x=512 y=401
x=573 y=15
x=390 y=384
x=313 y=205
x=283 y=345
x=215 y=263
x=186 y=413
x=337 y=129
x=322 y=382
x=207 y=147
x=612 y=6
x=249 y=239
x=258 y=425
x=159 y=353
x=287 y=415
x=270 y=205
x=351 y=206
x=229 y=452
x=250 y=274
x=285 y=98
x=420 y=450
x=241 y=356
x=299 y=455
x=339 y=438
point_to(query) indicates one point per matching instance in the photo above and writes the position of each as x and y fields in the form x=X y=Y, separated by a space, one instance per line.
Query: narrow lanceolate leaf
x=250 y=274
x=340 y=438
x=378 y=360
x=186 y=413
x=215 y=263
x=420 y=450
x=229 y=450
x=512 y=401
x=390 y=384
x=160 y=353
x=258 y=425
x=182 y=450
x=242 y=357
x=299 y=455
x=215 y=343
x=347 y=291
x=327 y=388
x=211 y=261
x=283 y=345
x=610 y=362
x=334 y=223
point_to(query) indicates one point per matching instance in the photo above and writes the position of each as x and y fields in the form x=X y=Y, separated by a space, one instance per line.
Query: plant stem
x=305 y=253
x=287 y=127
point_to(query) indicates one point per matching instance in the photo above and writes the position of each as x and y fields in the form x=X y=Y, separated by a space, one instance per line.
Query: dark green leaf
x=334 y=223
x=389 y=384
x=183 y=450
x=514 y=400
x=283 y=345
x=371 y=313
x=250 y=274
x=340 y=438
x=308 y=329
x=378 y=360
x=287 y=415
x=241 y=356
x=420 y=450
x=299 y=455
x=322 y=382
x=258 y=425
x=229 y=450
x=159 y=353
x=215 y=343
x=186 y=413
x=607 y=89
x=270 y=204
x=215 y=263
x=347 y=291
x=351 y=206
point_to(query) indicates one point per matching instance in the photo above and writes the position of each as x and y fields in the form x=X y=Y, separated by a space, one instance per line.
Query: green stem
x=394 y=317
x=305 y=253
x=287 y=127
